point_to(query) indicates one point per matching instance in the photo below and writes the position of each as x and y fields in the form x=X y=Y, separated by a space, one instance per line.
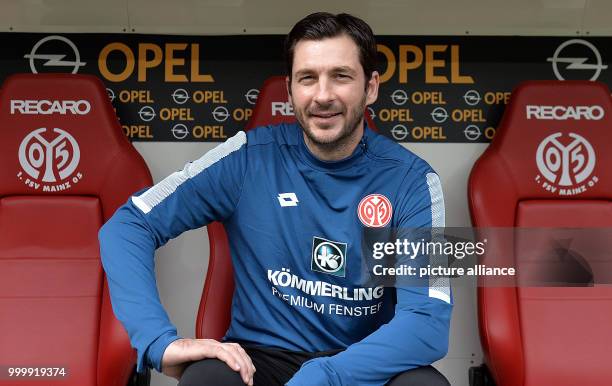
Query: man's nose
x=324 y=93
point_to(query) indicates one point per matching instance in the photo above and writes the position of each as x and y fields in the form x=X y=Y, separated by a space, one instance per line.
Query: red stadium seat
x=214 y=313
x=66 y=167
x=550 y=165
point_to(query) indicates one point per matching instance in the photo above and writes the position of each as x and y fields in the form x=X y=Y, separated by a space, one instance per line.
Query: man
x=295 y=200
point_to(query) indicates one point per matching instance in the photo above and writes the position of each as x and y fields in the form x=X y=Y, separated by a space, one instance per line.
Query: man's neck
x=335 y=151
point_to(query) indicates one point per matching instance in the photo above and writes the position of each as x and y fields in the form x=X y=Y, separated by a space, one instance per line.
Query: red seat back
x=214 y=313
x=66 y=167
x=549 y=165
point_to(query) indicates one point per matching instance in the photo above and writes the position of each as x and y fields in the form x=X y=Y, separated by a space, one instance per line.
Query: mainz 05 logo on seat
x=566 y=165
x=49 y=159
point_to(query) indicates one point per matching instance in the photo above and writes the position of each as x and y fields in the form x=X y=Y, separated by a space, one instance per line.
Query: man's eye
x=342 y=76
x=305 y=78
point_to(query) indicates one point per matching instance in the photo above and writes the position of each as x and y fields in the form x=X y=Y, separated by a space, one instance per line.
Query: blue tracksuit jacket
x=295 y=225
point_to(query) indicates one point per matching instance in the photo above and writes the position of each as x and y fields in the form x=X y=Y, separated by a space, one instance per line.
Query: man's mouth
x=324 y=115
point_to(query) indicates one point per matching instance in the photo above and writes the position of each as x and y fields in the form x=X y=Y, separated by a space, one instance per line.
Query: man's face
x=328 y=89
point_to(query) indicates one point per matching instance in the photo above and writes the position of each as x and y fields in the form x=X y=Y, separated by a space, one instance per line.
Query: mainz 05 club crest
x=49 y=160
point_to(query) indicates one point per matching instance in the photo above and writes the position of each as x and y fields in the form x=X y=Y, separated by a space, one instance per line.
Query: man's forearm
x=127 y=251
x=411 y=339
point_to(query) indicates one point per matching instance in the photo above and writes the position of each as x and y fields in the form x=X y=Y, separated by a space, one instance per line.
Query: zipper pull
x=363 y=144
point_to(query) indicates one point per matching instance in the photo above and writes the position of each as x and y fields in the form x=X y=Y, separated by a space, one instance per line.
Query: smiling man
x=295 y=200
x=329 y=89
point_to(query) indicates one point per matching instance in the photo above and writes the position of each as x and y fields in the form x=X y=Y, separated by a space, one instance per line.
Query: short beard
x=345 y=136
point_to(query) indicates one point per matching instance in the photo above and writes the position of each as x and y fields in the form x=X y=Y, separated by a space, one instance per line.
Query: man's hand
x=182 y=351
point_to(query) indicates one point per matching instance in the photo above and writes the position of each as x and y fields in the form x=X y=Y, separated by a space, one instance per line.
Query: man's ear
x=288 y=85
x=372 y=88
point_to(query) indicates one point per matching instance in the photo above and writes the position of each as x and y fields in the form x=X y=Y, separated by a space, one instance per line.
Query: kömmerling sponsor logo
x=328 y=257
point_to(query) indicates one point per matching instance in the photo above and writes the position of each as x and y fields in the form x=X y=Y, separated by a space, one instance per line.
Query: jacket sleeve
x=205 y=190
x=418 y=333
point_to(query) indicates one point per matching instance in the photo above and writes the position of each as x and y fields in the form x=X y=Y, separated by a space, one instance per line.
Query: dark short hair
x=321 y=25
